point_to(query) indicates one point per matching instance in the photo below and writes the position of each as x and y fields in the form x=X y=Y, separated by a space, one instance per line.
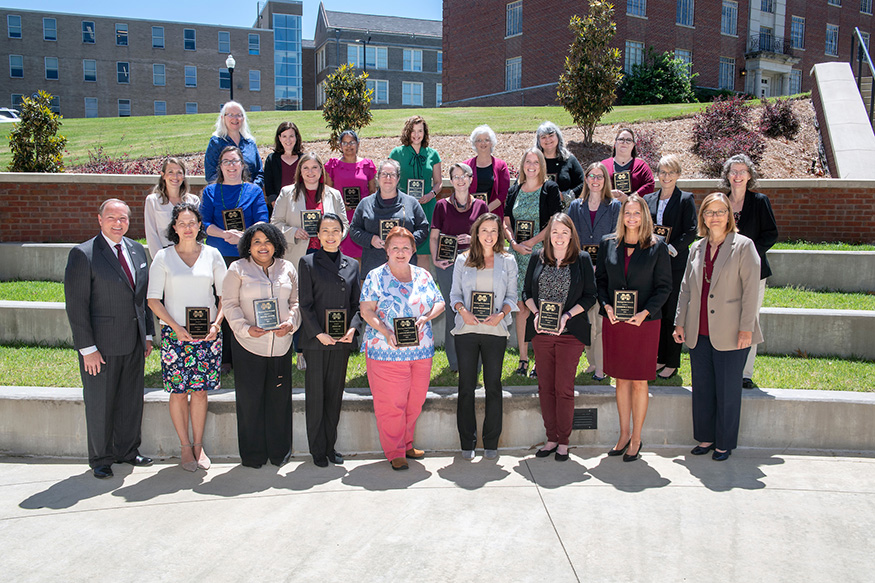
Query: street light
x=230 y=63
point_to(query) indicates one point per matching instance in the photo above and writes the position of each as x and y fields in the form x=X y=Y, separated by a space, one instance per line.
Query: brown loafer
x=399 y=463
x=415 y=454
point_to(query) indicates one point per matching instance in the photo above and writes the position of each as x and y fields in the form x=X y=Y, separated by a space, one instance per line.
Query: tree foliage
x=34 y=142
x=588 y=87
x=660 y=78
x=721 y=131
x=347 y=102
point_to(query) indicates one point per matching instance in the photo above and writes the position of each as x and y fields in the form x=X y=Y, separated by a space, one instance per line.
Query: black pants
x=669 y=350
x=324 y=381
x=470 y=348
x=264 y=406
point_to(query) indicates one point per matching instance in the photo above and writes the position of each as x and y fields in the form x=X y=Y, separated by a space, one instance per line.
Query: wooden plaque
x=406 y=333
x=662 y=231
x=524 y=230
x=335 y=323
x=416 y=187
x=448 y=246
x=310 y=221
x=267 y=313
x=550 y=316
x=387 y=225
x=352 y=195
x=481 y=196
x=234 y=220
x=482 y=304
x=623 y=181
x=593 y=251
x=625 y=304
x=197 y=321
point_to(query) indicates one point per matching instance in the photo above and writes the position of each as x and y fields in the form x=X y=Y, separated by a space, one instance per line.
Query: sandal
x=534 y=373
x=523 y=368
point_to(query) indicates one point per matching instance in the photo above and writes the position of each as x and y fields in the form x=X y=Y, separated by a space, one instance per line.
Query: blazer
x=327 y=285
x=680 y=215
x=549 y=205
x=757 y=223
x=605 y=220
x=649 y=273
x=581 y=292
x=500 y=182
x=504 y=284
x=102 y=308
x=287 y=216
x=732 y=298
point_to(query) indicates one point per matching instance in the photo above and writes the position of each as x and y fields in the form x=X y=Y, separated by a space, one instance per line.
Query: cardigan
x=605 y=220
x=500 y=183
x=680 y=215
x=273 y=176
x=366 y=223
x=328 y=285
x=504 y=285
x=757 y=223
x=642 y=176
x=287 y=216
x=649 y=273
x=569 y=175
x=549 y=205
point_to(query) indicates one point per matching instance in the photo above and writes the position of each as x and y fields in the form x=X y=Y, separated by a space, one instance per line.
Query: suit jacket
x=732 y=298
x=102 y=308
x=287 y=216
x=649 y=273
x=582 y=292
x=504 y=285
x=680 y=215
x=549 y=205
x=757 y=223
x=324 y=285
x=605 y=220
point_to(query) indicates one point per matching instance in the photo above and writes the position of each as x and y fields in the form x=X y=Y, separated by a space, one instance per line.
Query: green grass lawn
x=799 y=297
x=811 y=246
x=32 y=291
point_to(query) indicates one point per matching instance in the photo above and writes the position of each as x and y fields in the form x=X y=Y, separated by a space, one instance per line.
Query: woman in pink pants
x=399 y=374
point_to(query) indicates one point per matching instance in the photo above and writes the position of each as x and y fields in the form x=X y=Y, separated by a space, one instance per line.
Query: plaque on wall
x=267 y=313
x=387 y=225
x=234 y=220
x=482 y=304
x=416 y=187
x=448 y=246
x=549 y=316
x=406 y=333
x=524 y=230
x=352 y=195
x=625 y=304
x=310 y=222
x=623 y=181
x=197 y=321
x=335 y=323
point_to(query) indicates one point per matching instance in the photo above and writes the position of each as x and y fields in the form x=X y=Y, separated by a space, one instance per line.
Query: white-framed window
x=726 y=79
x=514 y=19
x=88 y=32
x=636 y=7
x=729 y=18
x=55 y=104
x=224 y=78
x=123 y=72
x=159 y=76
x=380 y=87
x=766 y=39
x=685 y=13
x=89 y=70
x=634 y=55
x=254 y=44
x=16 y=66
x=190 y=107
x=13 y=25
x=320 y=93
x=440 y=61
x=865 y=36
x=834 y=2
x=50 y=29
x=513 y=74
x=160 y=108
x=767 y=6
x=320 y=59
x=866 y=6
x=124 y=108
x=686 y=56
x=190 y=76
x=797 y=32
x=411 y=94
x=157 y=37
x=255 y=80
x=189 y=39
x=90 y=107
x=376 y=57
x=795 y=81
x=17 y=98
x=438 y=94
x=412 y=60
x=224 y=42
x=52 y=68
x=121 y=34
x=832 y=40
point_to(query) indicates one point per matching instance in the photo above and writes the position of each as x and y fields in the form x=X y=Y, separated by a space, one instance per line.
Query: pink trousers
x=399 y=390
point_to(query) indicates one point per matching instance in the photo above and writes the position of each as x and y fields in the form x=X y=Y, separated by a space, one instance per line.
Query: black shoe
x=138 y=460
x=721 y=456
x=616 y=452
x=669 y=377
x=523 y=368
x=598 y=378
x=102 y=472
x=320 y=461
x=545 y=452
x=746 y=384
x=637 y=456
x=534 y=373
x=283 y=461
x=699 y=450
x=335 y=458
x=561 y=457
x=254 y=465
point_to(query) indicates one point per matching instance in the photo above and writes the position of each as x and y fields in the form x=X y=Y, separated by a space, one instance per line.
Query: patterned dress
x=187 y=367
x=526 y=207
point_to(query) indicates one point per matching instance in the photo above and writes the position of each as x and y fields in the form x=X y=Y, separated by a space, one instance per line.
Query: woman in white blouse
x=172 y=189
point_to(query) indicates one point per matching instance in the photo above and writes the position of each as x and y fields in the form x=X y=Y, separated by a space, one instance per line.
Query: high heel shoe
x=192 y=465
x=637 y=456
x=621 y=451
x=203 y=462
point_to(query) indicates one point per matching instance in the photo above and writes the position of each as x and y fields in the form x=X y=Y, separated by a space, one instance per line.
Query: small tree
x=588 y=87
x=660 y=78
x=34 y=142
x=347 y=102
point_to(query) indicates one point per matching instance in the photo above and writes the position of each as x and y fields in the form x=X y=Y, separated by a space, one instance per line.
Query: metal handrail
x=855 y=38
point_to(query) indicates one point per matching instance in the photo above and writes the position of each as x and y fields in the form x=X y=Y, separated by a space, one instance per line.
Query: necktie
x=121 y=259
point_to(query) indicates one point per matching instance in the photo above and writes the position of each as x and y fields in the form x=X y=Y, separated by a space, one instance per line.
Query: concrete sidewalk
x=761 y=516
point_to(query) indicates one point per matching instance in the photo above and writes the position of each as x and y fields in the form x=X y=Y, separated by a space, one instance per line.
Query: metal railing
x=860 y=51
x=766 y=43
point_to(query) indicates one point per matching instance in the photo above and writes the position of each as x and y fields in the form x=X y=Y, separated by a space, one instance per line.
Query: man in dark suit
x=105 y=286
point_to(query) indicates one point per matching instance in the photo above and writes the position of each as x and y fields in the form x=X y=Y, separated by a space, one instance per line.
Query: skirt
x=187 y=367
x=630 y=351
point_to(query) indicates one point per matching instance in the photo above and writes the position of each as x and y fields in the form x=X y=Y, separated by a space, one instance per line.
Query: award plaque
x=416 y=187
x=623 y=181
x=625 y=303
x=524 y=230
x=405 y=332
x=593 y=251
x=387 y=225
x=267 y=313
x=234 y=220
x=550 y=316
x=662 y=231
x=481 y=196
x=551 y=177
x=351 y=196
x=482 y=304
x=335 y=323
x=197 y=322
x=448 y=245
x=310 y=222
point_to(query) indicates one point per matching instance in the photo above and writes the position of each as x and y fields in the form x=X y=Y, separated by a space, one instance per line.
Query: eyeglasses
x=482 y=141
x=720 y=213
x=625 y=140
x=387 y=175
x=595 y=177
x=738 y=172
x=234 y=115
x=231 y=162
x=458 y=177
x=348 y=144
x=666 y=173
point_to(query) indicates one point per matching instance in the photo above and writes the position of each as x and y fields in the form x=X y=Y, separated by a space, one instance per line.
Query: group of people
x=299 y=255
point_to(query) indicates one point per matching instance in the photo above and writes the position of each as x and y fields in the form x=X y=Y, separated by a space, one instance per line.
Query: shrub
x=347 y=102
x=778 y=119
x=721 y=131
x=100 y=162
x=34 y=142
x=716 y=151
x=660 y=78
x=648 y=146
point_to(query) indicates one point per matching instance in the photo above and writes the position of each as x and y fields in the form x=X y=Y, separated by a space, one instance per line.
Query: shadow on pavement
x=473 y=475
x=634 y=476
x=738 y=471
x=548 y=473
x=70 y=491
x=380 y=477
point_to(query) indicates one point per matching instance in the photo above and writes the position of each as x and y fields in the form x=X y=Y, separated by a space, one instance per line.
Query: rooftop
x=394 y=24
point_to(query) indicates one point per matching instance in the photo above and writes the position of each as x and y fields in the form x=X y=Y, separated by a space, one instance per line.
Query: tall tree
x=34 y=142
x=347 y=102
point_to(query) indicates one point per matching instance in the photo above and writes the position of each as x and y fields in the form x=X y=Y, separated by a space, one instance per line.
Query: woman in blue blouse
x=232 y=129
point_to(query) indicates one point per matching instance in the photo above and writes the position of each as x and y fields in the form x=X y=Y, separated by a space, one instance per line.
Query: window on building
x=52 y=68
x=254 y=44
x=255 y=108
x=224 y=78
x=513 y=74
x=514 y=19
x=767 y=6
x=189 y=39
x=832 y=40
x=190 y=76
x=766 y=39
x=412 y=60
x=17 y=99
x=795 y=81
x=834 y=2
x=729 y=18
x=797 y=32
x=634 y=55
x=13 y=25
x=158 y=75
x=90 y=107
x=440 y=61
x=320 y=59
x=190 y=107
x=380 y=88
x=254 y=80
x=121 y=35
x=866 y=6
x=50 y=29
x=160 y=108
x=55 y=104
x=123 y=72
x=320 y=94
x=354 y=55
x=686 y=56
x=411 y=94
x=89 y=69
x=157 y=37
x=16 y=66
x=636 y=7
x=865 y=36
x=726 y=79
x=377 y=57
x=685 y=13
x=124 y=108
x=88 y=31
x=224 y=42
x=438 y=94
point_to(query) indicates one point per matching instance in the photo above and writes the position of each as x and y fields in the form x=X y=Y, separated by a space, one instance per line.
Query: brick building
x=512 y=53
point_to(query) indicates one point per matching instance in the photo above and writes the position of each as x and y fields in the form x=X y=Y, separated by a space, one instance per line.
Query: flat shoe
x=671 y=376
x=335 y=458
x=746 y=384
x=561 y=457
x=616 y=452
x=414 y=454
x=203 y=461
x=490 y=454
x=320 y=461
x=102 y=472
x=546 y=452
x=399 y=463
x=721 y=456
x=597 y=378
x=699 y=450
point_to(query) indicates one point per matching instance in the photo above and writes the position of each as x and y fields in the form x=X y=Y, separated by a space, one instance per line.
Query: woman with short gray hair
x=491 y=177
x=562 y=167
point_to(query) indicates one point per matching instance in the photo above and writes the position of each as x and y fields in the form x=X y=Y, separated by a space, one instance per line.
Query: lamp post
x=365 y=42
x=230 y=63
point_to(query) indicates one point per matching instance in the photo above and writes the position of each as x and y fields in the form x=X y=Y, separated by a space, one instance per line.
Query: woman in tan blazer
x=717 y=319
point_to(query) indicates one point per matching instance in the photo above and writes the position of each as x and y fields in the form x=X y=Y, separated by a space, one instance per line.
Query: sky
x=228 y=12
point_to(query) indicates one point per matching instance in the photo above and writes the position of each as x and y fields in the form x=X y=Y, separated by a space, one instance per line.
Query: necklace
x=222 y=193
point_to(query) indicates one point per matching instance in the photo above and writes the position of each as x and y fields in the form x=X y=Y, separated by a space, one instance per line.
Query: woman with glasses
x=717 y=318
x=232 y=129
x=490 y=174
x=281 y=164
x=675 y=209
x=562 y=167
x=633 y=173
x=355 y=178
